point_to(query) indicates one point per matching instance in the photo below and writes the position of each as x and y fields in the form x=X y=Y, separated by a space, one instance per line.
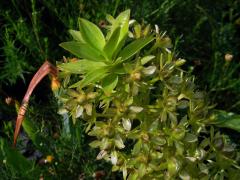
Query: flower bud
x=79 y=111
x=55 y=84
x=146 y=30
x=126 y=124
x=180 y=62
x=149 y=70
x=91 y=95
x=114 y=157
x=88 y=108
x=119 y=142
x=101 y=154
x=137 y=30
x=135 y=76
x=228 y=57
x=136 y=109
x=81 y=98
x=9 y=100
x=49 y=158
x=62 y=111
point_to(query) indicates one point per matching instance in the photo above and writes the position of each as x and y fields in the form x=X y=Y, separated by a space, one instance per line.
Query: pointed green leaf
x=137 y=30
x=190 y=138
x=32 y=132
x=15 y=159
x=91 y=34
x=146 y=59
x=82 y=50
x=112 y=43
x=159 y=140
x=173 y=166
x=133 y=176
x=115 y=168
x=30 y=129
x=92 y=77
x=134 y=47
x=119 y=47
x=76 y=35
x=124 y=171
x=226 y=119
x=95 y=144
x=137 y=148
x=109 y=18
x=123 y=21
x=119 y=142
x=142 y=170
x=154 y=126
x=109 y=83
x=81 y=66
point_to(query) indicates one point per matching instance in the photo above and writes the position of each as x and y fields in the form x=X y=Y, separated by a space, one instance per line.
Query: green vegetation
x=206 y=33
x=147 y=116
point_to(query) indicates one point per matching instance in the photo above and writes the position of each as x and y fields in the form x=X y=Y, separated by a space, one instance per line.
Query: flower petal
x=136 y=109
x=149 y=70
x=126 y=124
x=79 y=111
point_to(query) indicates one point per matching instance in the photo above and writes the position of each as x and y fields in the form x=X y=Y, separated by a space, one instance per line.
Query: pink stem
x=45 y=69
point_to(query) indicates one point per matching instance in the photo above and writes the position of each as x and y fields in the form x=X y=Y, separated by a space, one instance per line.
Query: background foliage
x=204 y=31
